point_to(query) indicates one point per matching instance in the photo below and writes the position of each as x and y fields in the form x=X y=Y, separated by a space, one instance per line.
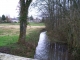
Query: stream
x=46 y=50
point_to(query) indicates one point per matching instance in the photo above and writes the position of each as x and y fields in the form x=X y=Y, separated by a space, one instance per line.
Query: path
x=4 y=56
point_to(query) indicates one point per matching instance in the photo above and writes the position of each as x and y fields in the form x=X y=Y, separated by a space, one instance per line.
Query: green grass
x=9 y=23
x=36 y=24
x=9 y=38
x=5 y=40
x=32 y=40
x=33 y=36
x=18 y=49
x=30 y=24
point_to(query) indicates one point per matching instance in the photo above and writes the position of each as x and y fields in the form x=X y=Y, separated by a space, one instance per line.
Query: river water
x=47 y=50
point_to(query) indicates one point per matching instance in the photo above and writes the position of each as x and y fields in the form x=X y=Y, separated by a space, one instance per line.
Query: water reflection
x=50 y=51
x=42 y=50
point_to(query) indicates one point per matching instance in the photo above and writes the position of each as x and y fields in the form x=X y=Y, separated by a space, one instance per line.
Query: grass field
x=29 y=24
x=9 y=34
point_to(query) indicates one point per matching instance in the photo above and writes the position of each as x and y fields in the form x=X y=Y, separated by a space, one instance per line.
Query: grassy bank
x=9 y=36
x=6 y=40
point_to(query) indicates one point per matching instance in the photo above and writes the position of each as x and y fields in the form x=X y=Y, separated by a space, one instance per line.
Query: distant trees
x=3 y=18
x=0 y=19
x=8 y=19
x=31 y=18
x=43 y=19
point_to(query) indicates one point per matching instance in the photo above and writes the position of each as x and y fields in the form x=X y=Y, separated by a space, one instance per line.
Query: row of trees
x=62 y=20
x=5 y=19
x=8 y=19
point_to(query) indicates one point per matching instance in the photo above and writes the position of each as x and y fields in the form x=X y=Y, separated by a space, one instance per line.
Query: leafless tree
x=62 y=20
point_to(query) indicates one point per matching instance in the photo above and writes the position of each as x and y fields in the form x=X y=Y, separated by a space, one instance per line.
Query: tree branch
x=28 y=3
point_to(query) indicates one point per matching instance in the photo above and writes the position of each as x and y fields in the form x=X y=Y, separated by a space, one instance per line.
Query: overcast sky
x=9 y=8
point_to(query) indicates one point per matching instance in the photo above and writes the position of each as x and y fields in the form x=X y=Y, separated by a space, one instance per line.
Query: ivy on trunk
x=24 y=5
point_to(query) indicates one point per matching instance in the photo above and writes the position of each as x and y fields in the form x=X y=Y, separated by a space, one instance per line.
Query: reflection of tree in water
x=50 y=51
x=58 y=51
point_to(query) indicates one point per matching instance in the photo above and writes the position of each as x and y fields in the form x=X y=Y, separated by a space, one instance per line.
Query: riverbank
x=9 y=36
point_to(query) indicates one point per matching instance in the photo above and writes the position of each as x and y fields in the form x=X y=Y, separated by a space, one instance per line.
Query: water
x=46 y=50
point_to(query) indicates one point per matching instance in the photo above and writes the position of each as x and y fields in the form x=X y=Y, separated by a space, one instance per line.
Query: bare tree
x=62 y=21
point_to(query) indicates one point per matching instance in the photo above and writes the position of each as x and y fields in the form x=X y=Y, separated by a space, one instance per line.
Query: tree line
x=4 y=18
x=62 y=20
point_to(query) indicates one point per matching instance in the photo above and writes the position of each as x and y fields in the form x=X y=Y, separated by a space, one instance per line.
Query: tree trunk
x=22 y=36
x=24 y=5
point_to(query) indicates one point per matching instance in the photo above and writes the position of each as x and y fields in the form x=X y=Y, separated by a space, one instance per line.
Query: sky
x=10 y=8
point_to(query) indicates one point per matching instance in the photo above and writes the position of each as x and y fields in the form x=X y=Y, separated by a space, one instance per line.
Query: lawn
x=6 y=40
x=36 y=24
x=29 y=24
x=9 y=34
